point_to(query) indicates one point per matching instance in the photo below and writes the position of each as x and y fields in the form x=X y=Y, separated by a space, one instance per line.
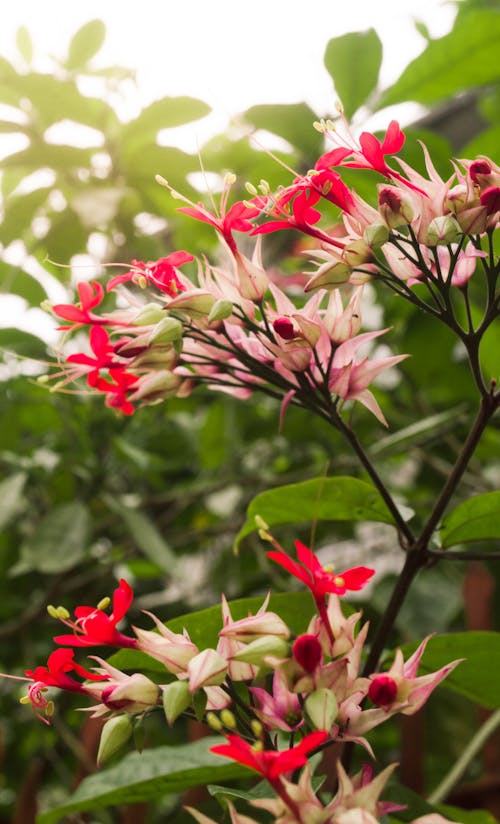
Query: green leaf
x=295 y=608
x=464 y=58
x=11 y=500
x=477 y=519
x=16 y=282
x=292 y=121
x=353 y=61
x=42 y=155
x=477 y=677
x=146 y=535
x=85 y=44
x=466 y=816
x=166 y=113
x=20 y=210
x=322 y=499
x=58 y=542
x=486 y=143
x=24 y=43
x=152 y=774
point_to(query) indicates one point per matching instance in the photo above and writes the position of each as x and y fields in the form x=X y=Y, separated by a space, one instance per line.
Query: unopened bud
x=443 y=230
x=258 y=650
x=213 y=721
x=221 y=310
x=376 y=235
x=114 y=735
x=228 y=719
x=357 y=252
x=329 y=276
x=322 y=708
x=166 y=331
x=307 y=652
x=150 y=314
x=490 y=199
x=383 y=690
x=176 y=699
x=257 y=727
x=284 y=328
x=395 y=206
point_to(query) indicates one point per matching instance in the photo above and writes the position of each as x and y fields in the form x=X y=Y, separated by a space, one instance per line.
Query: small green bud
x=167 y=330
x=228 y=719
x=176 y=699
x=214 y=722
x=443 y=230
x=114 y=735
x=257 y=727
x=376 y=235
x=257 y=650
x=221 y=310
x=149 y=314
x=322 y=708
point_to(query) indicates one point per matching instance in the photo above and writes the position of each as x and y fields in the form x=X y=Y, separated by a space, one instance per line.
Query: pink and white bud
x=197 y=303
x=342 y=324
x=255 y=626
x=174 y=650
x=206 y=669
x=156 y=386
x=443 y=230
x=395 y=206
x=329 y=275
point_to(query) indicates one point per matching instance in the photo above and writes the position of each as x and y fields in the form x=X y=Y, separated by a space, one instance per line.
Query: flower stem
x=474 y=746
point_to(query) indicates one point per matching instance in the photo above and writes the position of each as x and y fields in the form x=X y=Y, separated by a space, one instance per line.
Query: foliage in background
x=84 y=497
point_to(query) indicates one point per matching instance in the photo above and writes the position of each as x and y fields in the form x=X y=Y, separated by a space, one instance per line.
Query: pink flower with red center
x=94 y=627
x=91 y=295
x=270 y=763
x=160 y=273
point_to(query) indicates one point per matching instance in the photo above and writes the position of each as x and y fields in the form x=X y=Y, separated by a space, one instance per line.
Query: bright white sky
x=229 y=53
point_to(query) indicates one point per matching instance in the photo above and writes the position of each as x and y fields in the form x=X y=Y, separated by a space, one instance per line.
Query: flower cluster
x=236 y=330
x=309 y=685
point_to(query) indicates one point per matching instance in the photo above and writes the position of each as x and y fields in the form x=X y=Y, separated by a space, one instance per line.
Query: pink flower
x=281 y=710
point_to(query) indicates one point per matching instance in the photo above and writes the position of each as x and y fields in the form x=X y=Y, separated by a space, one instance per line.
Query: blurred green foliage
x=85 y=496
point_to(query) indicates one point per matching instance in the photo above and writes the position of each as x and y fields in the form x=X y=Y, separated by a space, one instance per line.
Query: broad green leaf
x=24 y=43
x=152 y=774
x=295 y=608
x=20 y=211
x=353 y=61
x=85 y=44
x=466 y=816
x=322 y=499
x=166 y=113
x=145 y=535
x=486 y=143
x=11 y=500
x=58 y=542
x=292 y=121
x=42 y=155
x=477 y=677
x=464 y=58
x=477 y=519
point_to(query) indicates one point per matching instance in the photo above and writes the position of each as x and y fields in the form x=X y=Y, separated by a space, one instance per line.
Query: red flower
x=91 y=295
x=319 y=580
x=59 y=663
x=94 y=627
x=270 y=764
x=237 y=218
x=161 y=273
x=103 y=351
x=116 y=393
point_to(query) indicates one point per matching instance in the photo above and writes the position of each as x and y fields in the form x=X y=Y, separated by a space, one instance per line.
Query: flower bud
x=228 y=719
x=443 y=230
x=114 y=735
x=307 y=652
x=479 y=167
x=166 y=331
x=490 y=199
x=149 y=314
x=134 y=694
x=156 y=386
x=284 y=328
x=395 y=206
x=197 y=303
x=213 y=721
x=376 y=235
x=329 y=275
x=322 y=708
x=383 y=690
x=206 y=669
x=221 y=310
x=356 y=253
x=256 y=651
x=176 y=699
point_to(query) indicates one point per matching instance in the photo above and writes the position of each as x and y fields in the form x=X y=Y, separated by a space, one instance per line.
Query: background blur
x=94 y=101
